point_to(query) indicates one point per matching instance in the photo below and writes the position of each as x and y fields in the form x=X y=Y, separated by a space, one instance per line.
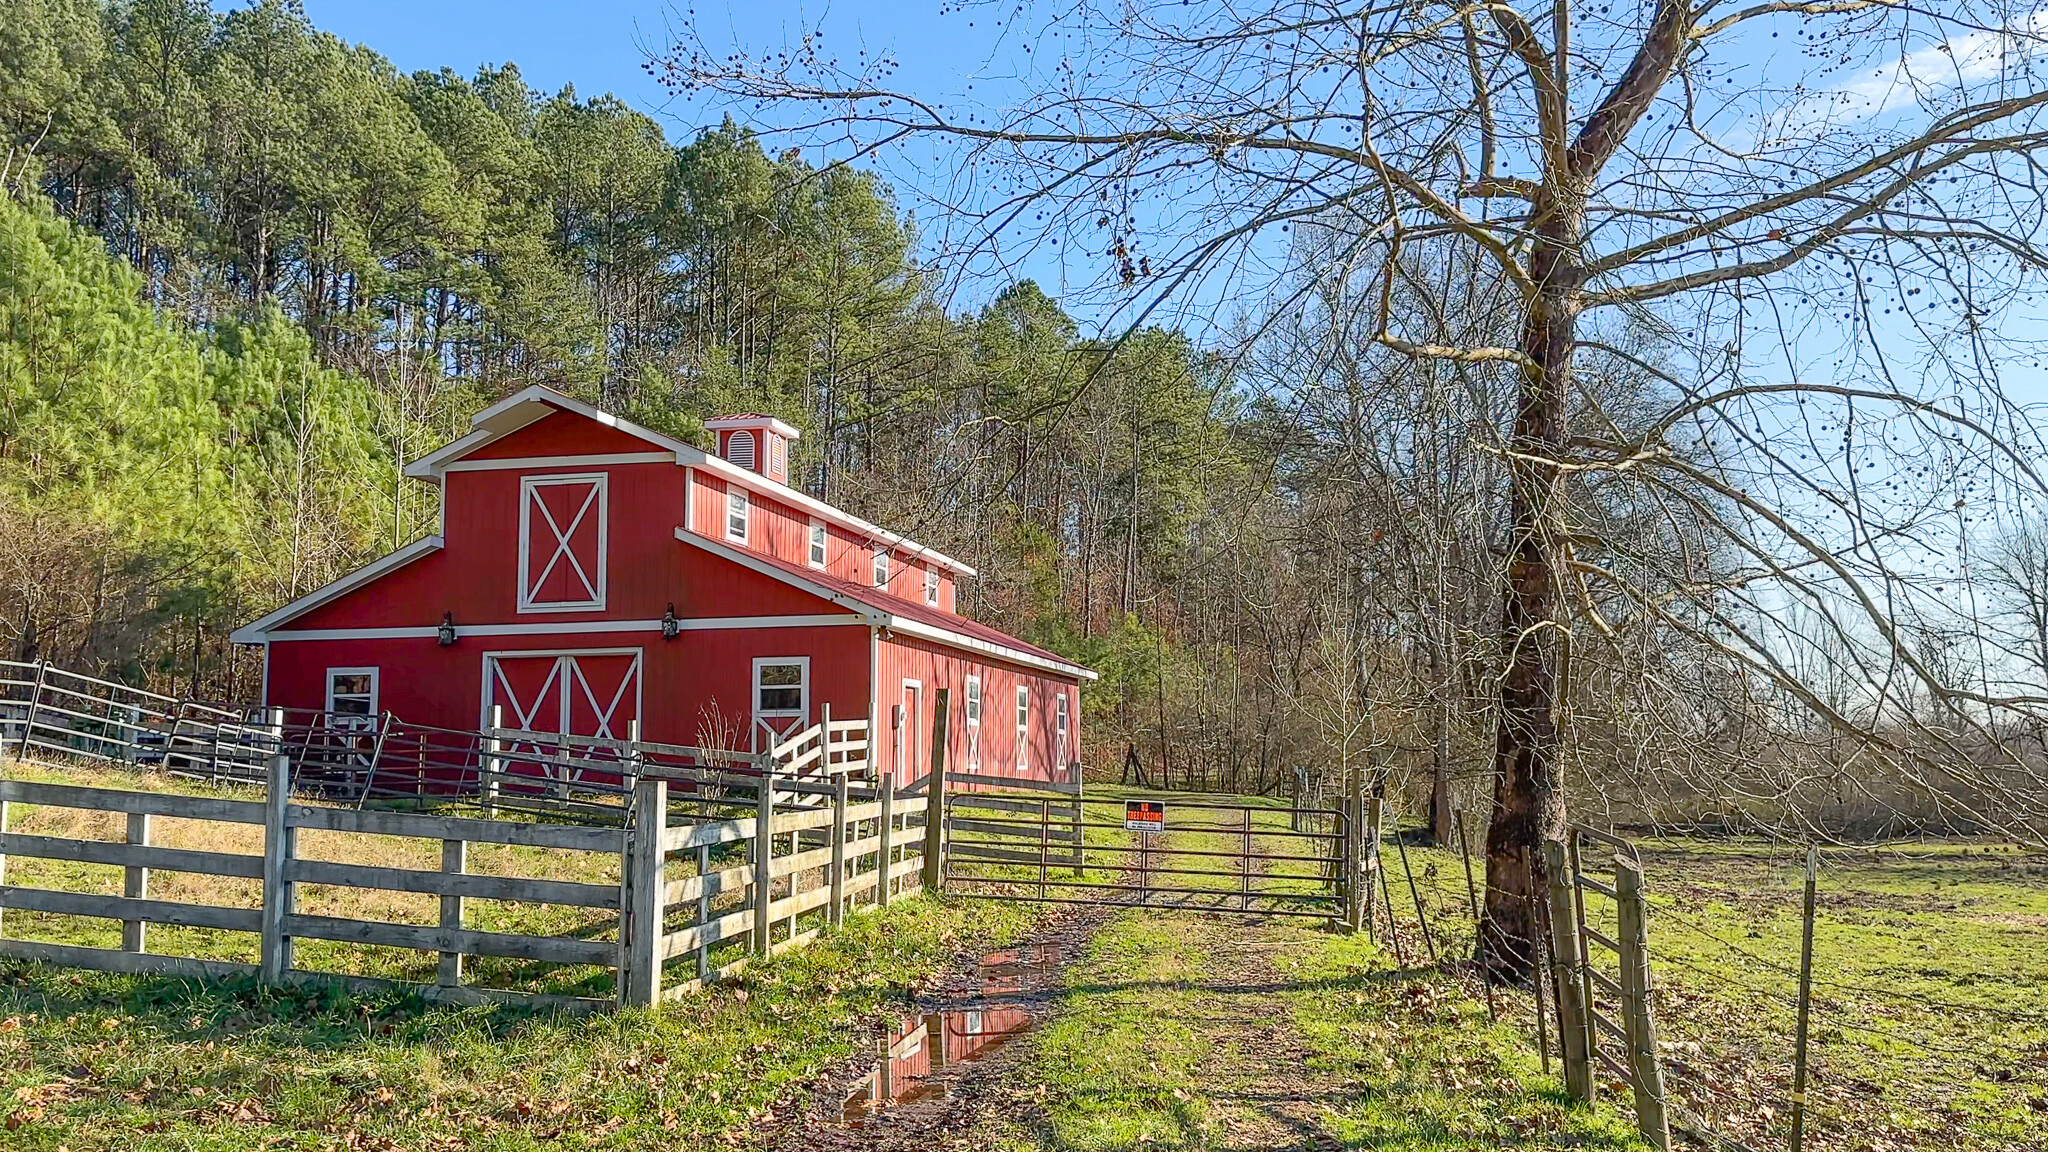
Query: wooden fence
x=49 y=713
x=712 y=869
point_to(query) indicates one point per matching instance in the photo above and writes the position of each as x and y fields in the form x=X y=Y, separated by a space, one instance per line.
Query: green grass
x=1930 y=1008
x=89 y=1061
x=1180 y=1031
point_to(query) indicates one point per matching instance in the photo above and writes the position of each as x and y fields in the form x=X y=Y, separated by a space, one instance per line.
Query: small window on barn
x=882 y=568
x=931 y=586
x=782 y=686
x=778 y=457
x=1023 y=727
x=1061 y=746
x=736 y=515
x=972 y=716
x=351 y=697
x=817 y=545
x=739 y=448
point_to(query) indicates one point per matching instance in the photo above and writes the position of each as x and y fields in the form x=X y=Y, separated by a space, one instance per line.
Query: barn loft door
x=562 y=529
x=587 y=693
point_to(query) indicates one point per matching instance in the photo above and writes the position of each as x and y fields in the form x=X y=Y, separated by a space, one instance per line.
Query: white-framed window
x=782 y=686
x=971 y=713
x=1061 y=746
x=563 y=537
x=1023 y=727
x=882 y=568
x=736 y=515
x=352 y=697
x=931 y=587
x=817 y=545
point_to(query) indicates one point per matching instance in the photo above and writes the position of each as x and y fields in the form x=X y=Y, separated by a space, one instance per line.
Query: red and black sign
x=1145 y=815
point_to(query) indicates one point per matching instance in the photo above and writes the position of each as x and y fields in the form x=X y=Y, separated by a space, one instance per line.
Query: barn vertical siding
x=938 y=666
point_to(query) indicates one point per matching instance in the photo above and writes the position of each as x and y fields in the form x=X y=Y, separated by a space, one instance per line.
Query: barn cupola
x=755 y=442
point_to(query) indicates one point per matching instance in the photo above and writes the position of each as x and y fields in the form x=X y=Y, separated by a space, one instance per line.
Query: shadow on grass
x=315 y=1015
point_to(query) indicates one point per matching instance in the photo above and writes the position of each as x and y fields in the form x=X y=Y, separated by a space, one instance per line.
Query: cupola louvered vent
x=739 y=448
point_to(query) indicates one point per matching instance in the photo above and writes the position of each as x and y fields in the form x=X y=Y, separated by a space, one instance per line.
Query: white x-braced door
x=588 y=692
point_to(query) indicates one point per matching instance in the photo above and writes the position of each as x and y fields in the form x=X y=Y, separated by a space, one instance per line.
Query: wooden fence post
x=3 y=862
x=837 y=913
x=885 y=829
x=703 y=911
x=1805 y=999
x=935 y=798
x=764 y=855
x=640 y=970
x=1566 y=980
x=454 y=860
x=135 y=884
x=279 y=842
x=493 y=760
x=1647 y=1075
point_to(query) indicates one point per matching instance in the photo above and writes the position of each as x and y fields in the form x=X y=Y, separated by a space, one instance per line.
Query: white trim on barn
x=599 y=459
x=882 y=616
x=563 y=628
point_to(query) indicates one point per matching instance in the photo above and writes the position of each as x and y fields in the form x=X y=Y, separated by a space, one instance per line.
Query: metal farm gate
x=1046 y=843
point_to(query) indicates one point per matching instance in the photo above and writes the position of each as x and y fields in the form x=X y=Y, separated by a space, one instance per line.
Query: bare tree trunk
x=1528 y=807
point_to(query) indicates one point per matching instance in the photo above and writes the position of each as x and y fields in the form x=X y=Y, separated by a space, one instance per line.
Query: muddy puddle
x=914 y=1059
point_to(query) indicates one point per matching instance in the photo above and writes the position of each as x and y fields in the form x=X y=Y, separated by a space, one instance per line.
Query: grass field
x=106 y=1062
x=1930 y=1019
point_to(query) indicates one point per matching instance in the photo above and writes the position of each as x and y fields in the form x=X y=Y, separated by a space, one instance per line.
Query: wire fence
x=380 y=760
x=1928 y=1012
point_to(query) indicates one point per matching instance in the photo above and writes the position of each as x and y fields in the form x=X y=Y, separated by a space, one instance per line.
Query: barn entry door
x=592 y=692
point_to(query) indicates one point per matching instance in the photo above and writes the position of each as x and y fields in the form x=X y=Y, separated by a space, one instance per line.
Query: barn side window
x=882 y=568
x=782 y=686
x=351 y=697
x=931 y=587
x=972 y=713
x=1061 y=748
x=817 y=545
x=736 y=515
x=1023 y=727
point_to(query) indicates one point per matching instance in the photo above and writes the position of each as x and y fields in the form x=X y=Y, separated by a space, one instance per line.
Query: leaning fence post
x=278 y=843
x=886 y=795
x=135 y=884
x=764 y=856
x=935 y=799
x=640 y=978
x=1565 y=975
x=837 y=914
x=1647 y=1075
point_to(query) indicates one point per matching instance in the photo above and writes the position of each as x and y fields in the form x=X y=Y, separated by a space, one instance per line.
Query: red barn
x=590 y=572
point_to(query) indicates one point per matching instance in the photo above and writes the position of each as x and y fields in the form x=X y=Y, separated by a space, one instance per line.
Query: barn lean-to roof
x=893 y=612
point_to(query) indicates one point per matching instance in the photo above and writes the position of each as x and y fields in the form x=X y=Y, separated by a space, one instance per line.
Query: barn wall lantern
x=445 y=634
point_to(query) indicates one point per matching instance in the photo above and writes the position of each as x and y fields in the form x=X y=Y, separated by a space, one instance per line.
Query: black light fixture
x=670 y=626
x=445 y=634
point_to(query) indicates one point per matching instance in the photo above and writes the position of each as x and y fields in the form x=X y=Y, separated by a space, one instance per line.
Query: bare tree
x=1812 y=237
